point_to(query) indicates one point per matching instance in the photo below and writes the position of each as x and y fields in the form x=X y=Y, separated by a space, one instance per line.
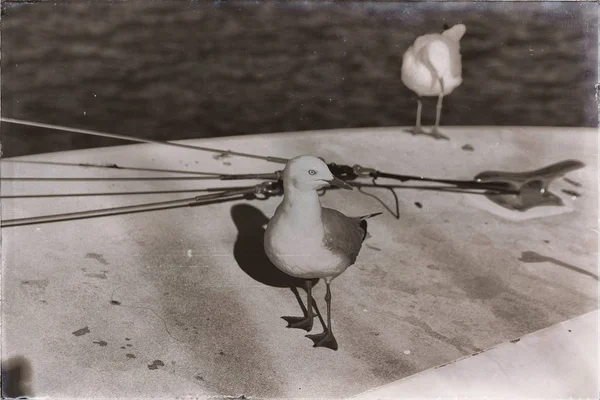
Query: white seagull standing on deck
x=432 y=67
x=308 y=241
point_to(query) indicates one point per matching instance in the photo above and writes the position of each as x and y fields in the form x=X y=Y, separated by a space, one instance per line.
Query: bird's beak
x=337 y=182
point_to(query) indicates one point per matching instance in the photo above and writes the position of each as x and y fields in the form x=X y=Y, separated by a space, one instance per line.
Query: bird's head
x=306 y=173
x=456 y=32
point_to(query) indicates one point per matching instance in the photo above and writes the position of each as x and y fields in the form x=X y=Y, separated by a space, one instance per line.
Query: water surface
x=168 y=70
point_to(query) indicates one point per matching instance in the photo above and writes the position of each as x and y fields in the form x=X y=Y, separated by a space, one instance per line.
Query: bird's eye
x=312 y=172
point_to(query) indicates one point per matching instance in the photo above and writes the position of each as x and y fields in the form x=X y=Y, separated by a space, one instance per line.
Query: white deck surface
x=199 y=311
x=556 y=362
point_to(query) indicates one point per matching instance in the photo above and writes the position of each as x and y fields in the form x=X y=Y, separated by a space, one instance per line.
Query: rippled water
x=168 y=71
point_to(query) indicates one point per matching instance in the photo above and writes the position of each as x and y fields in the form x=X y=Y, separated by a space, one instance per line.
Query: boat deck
x=182 y=302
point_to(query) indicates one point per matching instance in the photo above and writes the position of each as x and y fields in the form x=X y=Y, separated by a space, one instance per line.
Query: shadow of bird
x=16 y=378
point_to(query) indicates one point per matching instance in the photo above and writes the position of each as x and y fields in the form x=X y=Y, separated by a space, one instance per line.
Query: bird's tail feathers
x=369 y=216
x=363 y=223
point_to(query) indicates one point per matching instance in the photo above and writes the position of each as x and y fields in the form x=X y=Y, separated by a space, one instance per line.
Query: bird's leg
x=435 y=132
x=305 y=322
x=418 y=130
x=418 y=121
x=326 y=338
x=318 y=313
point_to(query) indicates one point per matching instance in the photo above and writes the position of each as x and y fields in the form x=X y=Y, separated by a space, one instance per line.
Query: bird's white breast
x=294 y=243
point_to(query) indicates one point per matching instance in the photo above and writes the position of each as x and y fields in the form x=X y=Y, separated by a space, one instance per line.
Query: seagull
x=432 y=67
x=308 y=241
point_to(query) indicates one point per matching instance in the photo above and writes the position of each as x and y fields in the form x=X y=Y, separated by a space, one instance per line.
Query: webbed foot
x=324 y=339
x=436 y=134
x=416 y=130
x=305 y=323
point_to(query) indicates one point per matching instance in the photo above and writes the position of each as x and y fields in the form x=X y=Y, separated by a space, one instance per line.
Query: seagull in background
x=308 y=241
x=432 y=67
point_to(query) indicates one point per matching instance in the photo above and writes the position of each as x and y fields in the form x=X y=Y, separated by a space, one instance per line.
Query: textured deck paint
x=187 y=307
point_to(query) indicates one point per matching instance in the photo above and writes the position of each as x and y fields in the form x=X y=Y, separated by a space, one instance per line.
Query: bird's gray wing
x=343 y=235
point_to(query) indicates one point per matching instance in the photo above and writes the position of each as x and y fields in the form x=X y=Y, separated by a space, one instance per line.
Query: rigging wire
x=142 y=140
x=112 y=166
x=396 y=214
x=261 y=191
x=94 y=194
x=507 y=183
x=97 y=179
x=266 y=189
x=166 y=205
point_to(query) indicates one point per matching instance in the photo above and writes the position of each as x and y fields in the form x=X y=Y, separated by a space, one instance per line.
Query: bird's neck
x=304 y=206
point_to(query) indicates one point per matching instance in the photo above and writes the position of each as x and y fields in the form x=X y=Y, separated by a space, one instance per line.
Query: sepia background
x=169 y=70
x=185 y=303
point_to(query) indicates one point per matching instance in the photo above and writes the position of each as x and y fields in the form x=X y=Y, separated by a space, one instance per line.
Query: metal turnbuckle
x=359 y=170
x=268 y=189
